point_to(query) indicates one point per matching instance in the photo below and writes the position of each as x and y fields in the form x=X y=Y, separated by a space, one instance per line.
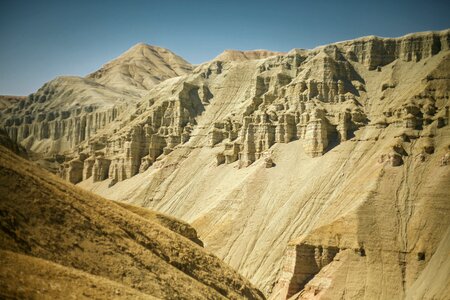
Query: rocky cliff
x=300 y=169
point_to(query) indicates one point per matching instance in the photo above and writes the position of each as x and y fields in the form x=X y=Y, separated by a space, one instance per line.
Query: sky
x=40 y=40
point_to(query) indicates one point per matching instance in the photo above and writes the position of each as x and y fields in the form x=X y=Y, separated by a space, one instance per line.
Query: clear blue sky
x=44 y=39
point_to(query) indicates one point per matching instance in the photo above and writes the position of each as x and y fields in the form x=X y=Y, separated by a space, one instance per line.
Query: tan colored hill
x=315 y=173
x=141 y=67
x=57 y=240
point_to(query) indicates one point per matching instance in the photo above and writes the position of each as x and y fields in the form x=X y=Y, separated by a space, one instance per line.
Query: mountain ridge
x=242 y=55
x=288 y=162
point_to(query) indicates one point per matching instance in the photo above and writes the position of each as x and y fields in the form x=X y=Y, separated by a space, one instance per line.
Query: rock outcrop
x=157 y=130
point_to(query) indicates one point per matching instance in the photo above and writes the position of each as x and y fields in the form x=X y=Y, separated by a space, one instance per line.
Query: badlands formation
x=318 y=173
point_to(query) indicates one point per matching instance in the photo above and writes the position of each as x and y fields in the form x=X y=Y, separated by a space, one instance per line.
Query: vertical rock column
x=343 y=125
x=316 y=139
x=100 y=169
x=87 y=168
x=74 y=171
x=248 y=152
x=301 y=263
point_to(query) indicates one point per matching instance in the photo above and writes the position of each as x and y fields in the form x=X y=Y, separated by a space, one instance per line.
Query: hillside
x=57 y=240
x=314 y=173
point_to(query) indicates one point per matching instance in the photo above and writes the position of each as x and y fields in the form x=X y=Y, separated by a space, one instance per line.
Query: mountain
x=60 y=241
x=314 y=173
x=141 y=67
x=69 y=110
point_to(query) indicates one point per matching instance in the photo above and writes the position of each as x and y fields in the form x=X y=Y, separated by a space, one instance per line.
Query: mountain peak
x=141 y=67
x=144 y=46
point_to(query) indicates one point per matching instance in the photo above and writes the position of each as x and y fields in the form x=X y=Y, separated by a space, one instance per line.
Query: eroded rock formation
x=262 y=152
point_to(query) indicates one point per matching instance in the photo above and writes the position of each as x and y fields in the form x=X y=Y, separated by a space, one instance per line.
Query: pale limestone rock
x=88 y=167
x=101 y=169
x=236 y=55
x=220 y=159
x=301 y=263
x=445 y=159
x=73 y=171
x=373 y=51
x=268 y=162
x=146 y=162
x=316 y=135
x=395 y=159
x=76 y=108
x=140 y=68
x=231 y=152
x=427 y=145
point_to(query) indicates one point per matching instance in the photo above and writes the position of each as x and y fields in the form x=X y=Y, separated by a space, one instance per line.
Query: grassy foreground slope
x=56 y=239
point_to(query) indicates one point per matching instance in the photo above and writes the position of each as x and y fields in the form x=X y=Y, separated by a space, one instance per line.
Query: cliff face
x=341 y=150
x=374 y=52
x=63 y=113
